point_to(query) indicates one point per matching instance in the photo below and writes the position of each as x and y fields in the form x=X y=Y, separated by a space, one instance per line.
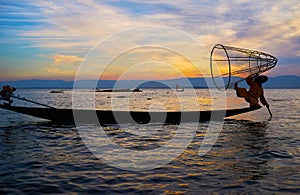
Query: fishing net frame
x=257 y=61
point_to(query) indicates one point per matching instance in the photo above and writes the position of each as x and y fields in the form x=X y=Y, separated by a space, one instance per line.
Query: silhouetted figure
x=255 y=91
x=6 y=93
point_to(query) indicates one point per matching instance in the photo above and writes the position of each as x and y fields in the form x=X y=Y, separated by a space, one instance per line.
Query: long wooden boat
x=115 y=117
x=119 y=90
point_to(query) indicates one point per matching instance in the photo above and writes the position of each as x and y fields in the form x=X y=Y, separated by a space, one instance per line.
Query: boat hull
x=115 y=117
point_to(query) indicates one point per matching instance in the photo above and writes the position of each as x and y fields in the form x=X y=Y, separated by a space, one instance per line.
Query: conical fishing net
x=230 y=64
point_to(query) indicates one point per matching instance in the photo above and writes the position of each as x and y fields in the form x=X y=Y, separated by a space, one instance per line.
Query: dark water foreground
x=253 y=156
x=45 y=158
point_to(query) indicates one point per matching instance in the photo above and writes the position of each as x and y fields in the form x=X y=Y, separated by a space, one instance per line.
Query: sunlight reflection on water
x=252 y=154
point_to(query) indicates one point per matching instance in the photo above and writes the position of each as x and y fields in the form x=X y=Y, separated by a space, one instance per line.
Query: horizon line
x=39 y=79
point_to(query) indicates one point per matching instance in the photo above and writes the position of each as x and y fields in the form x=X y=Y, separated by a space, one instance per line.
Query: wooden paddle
x=24 y=99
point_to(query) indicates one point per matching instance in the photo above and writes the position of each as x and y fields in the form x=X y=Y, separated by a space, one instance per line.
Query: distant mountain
x=36 y=83
x=274 y=82
x=287 y=81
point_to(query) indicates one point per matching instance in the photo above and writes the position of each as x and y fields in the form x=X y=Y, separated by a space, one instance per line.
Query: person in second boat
x=6 y=93
x=255 y=91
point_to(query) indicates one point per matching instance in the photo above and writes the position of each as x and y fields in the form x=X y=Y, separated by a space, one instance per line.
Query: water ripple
x=253 y=156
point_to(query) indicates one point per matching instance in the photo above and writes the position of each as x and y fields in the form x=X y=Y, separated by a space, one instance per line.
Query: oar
x=269 y=111
x=23 y=98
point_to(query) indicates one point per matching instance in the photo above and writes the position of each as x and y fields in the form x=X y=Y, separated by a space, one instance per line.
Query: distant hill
x=36 y=83
x=287 y=81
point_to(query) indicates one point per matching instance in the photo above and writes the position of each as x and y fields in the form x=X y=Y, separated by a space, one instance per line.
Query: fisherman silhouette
x=6 y=93
x=255 y=91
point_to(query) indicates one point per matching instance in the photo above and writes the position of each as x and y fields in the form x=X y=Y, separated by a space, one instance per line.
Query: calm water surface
x=253 y=155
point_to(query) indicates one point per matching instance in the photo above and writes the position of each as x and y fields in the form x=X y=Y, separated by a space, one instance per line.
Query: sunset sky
x=50 y=39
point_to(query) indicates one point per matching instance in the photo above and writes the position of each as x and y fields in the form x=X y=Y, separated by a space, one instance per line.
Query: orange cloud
x=66 y=59
x=64 y=65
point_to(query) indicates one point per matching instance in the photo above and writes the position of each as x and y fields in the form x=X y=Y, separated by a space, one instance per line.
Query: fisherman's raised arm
x=250 y=81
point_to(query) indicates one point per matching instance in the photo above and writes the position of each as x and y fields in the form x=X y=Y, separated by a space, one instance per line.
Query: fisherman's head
x=261 y=79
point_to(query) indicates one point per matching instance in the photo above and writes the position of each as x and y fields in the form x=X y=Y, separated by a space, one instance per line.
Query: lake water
x=252 y=155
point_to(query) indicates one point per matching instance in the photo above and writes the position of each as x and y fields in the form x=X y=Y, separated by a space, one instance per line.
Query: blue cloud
x=141 y=8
